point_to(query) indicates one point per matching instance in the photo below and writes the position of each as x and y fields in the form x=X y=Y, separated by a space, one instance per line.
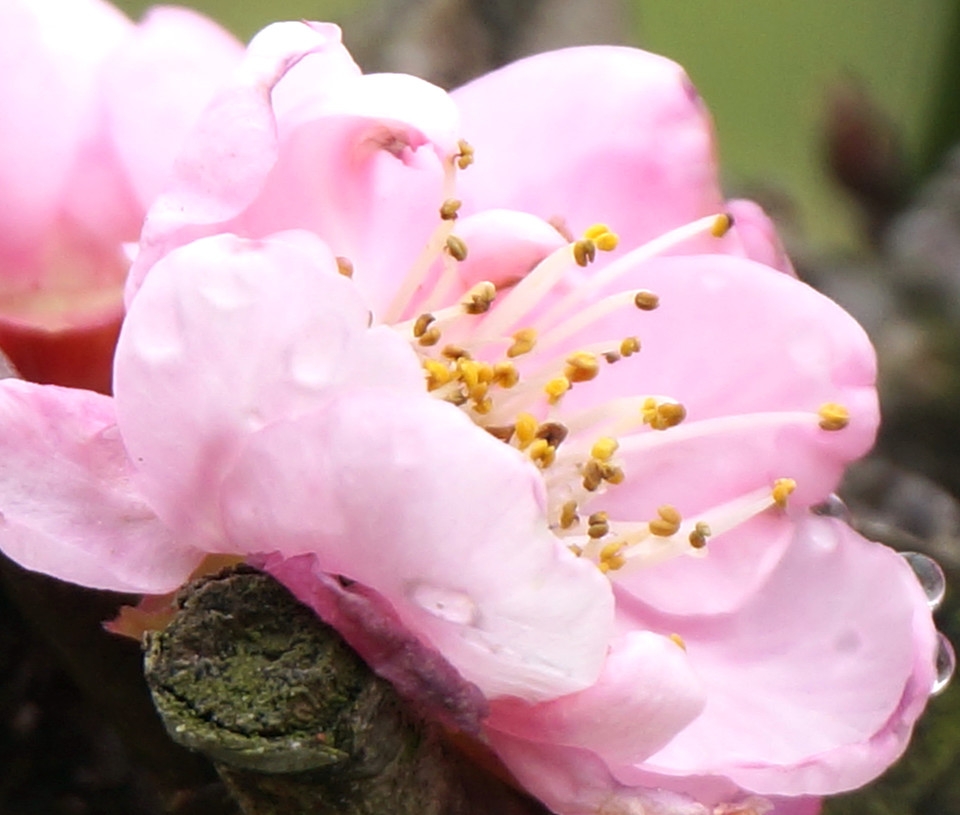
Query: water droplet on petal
x=946 y=663
x=930 y=575
x=447 y=604
x=833 y=507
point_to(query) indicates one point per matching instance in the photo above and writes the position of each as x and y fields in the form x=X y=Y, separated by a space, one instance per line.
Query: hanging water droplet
x=930 y=575
x=946 y=663
x=833 y=507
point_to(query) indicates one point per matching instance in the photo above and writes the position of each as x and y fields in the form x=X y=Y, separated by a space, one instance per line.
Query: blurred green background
x=765 y=69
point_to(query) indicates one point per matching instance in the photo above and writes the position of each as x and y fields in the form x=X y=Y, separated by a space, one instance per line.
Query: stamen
x=345 y=266
x=568 y=515
x=456 y=247
x=646 y=300
x=450 y=209
x=421 y=324
x=698 y=537
x=833 y=416
x=479 y=298
x=465 y=156
x=556 y=388
x=668 y=522
x=597 y=525
x=662 y=415
x=723 y=224
x=523 y=342
x=604 y=448
x=782 y=489
x=678 y=640
x=582 y=366
x=542 y=453
x=553 y=433
x=526 y=430
x=628 y=262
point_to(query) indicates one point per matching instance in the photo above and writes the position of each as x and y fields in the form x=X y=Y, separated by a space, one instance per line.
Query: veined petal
x=68 y=502
x=403 y=494
x=253 y=331
x=789 y=713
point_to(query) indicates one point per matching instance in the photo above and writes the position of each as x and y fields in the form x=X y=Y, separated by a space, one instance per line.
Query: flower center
x=504 y=357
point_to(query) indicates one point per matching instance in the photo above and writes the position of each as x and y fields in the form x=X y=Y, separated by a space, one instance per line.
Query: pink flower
x=572 y=475
x=95 y=109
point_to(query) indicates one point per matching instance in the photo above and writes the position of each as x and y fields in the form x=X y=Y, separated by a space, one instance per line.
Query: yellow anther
x=646 y=300
x=668 y=522
x=595 y=231
x=465 y=155
x=602 y=237
x=582 y=366
x=598 y=525
x=345 y=267
x=722 y=225
x=699 y=535
x=483 y=406
x=607 y=242
x=422 y=324
x=523 y=342
x=542 y=453
x=526 y=430
x=833 y=416
x=449 y=209
x=782 y=489
x=662 y=415
x=479 y=298
x=556 y=388
x=429 y=337
x=592 y=475
x=678 y=640
x=584 y=252
x=611 y=558
x=577 y=550
x=568 y=515
x=456 y=247
x=604 y=448
x=476 y=376
x=553 y=433
x=611 y=474
x=438 y=374
x=505 y=374
x=455 y=352
x=629 y=346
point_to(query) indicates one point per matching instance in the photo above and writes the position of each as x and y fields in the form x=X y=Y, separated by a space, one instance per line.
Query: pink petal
x=157 y=83
x=574 y=781
x=226 y=336
x=789 y=713
x=596 y=134
x=357 y=162
x=646 y=678
x=404 y=494
x=758 y=236
x=57 y=47
x=730 y=339
x=69 y=505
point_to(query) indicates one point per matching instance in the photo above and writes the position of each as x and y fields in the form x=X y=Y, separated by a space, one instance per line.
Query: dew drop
x=930 y=575
x=833 y=507
x=447 y=604
x=946 y=663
